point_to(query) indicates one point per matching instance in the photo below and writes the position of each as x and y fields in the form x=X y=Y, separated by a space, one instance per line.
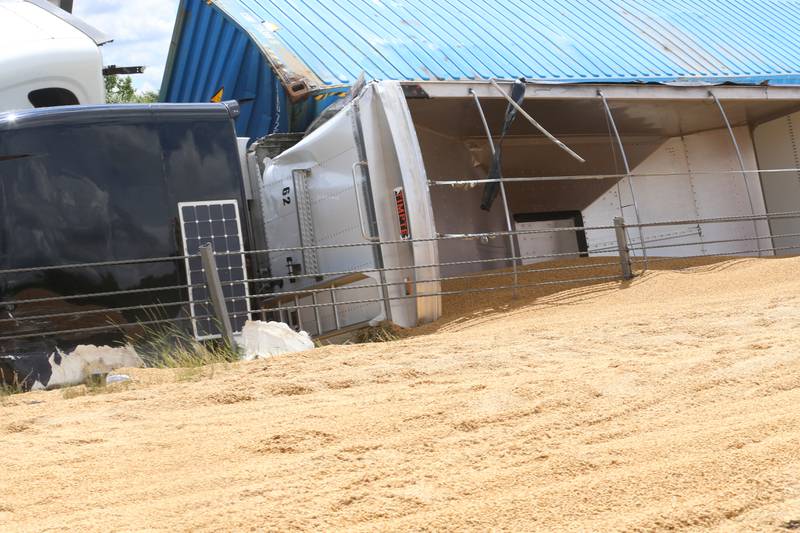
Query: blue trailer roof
x=332 y=42
x=270 y=54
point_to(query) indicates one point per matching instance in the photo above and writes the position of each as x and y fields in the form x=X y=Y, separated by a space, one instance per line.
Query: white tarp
x=260 y=340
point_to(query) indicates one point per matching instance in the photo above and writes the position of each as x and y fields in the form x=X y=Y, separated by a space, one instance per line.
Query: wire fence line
x=480 y=181
x=468 y=290
x=285 y=293
x=26 y=318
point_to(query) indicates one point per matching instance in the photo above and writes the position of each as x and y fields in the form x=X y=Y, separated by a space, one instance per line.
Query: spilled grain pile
x=669 y=403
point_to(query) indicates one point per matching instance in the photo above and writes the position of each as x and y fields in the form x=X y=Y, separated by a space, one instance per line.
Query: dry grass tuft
x=7 y=389
x=383 y=332
x=169 y=346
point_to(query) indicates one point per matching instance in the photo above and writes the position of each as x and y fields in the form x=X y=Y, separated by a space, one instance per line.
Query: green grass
x=169 y=346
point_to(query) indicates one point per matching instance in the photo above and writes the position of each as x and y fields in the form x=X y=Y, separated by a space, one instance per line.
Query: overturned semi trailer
x=361 y=213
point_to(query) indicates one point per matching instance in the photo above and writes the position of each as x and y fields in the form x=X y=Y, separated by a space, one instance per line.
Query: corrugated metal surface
x=241 y=44
x=213 y=54
x=216 y=54
x=570 y=40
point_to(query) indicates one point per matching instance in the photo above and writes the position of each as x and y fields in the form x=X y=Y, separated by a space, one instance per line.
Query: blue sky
x=141 y=30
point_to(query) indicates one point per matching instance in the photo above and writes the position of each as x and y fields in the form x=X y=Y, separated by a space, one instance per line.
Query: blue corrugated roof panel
x=213 y=58
x=554 y=40
x=316 y=45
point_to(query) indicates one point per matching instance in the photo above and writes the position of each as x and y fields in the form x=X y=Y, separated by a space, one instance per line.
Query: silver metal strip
x=627 y=171
x=741 y=162
x=511 y=242
x=536 y=124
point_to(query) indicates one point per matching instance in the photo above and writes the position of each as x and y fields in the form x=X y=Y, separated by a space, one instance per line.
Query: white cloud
x=141 y=30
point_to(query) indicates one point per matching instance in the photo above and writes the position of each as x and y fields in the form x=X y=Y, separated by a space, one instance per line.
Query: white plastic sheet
x=260 y=340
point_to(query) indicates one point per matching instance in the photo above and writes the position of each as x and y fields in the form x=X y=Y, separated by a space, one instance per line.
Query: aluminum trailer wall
x=778 y=147
x=706 y=183
x=337 y=186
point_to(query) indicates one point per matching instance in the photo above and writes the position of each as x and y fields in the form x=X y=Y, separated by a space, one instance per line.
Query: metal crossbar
x=525 y=179
x=96 y=264
x=101 y=311
x=476 y=235
x=100 y=294
x=311 y=292
x=95 y=329
x=451 y=293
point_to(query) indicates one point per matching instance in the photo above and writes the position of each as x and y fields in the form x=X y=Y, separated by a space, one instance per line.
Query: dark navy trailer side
x=99 y=184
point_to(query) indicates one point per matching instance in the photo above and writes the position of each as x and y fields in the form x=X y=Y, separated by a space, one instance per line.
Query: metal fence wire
x=27 y=318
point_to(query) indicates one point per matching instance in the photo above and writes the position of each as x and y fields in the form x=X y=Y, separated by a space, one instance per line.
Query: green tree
x=119 y=90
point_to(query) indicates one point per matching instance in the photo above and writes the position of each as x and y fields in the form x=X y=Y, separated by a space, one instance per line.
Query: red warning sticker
x=402 y=213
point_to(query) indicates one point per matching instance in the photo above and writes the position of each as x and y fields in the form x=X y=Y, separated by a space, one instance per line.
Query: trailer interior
x=370 y=214
x=681 y=164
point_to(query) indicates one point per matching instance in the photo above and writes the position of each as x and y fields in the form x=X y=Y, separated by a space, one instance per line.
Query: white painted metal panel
x=725 y=194
x=38 y=50
x=407 y=164
x=659 y=198
x=366 y=292
x=324 y=162
x=712 y=186
x=537 y=244
x=328 y=158
x=329 y=163
x=778 y=147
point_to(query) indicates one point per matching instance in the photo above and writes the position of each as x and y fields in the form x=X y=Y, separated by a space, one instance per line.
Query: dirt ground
x=671 y=402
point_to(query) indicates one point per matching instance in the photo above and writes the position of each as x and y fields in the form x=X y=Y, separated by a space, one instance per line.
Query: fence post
x=316 y=312
x=622 y=246
x=299 y=312
x=215 y=291
x=335 y=308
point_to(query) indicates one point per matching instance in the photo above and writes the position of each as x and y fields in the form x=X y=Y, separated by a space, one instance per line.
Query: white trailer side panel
x=537 y=244
x=710 y=184
x=414 y=181
x=778 y=147
x=314 y=181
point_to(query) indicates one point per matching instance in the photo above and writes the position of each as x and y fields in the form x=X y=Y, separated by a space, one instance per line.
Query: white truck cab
x=48 y=57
